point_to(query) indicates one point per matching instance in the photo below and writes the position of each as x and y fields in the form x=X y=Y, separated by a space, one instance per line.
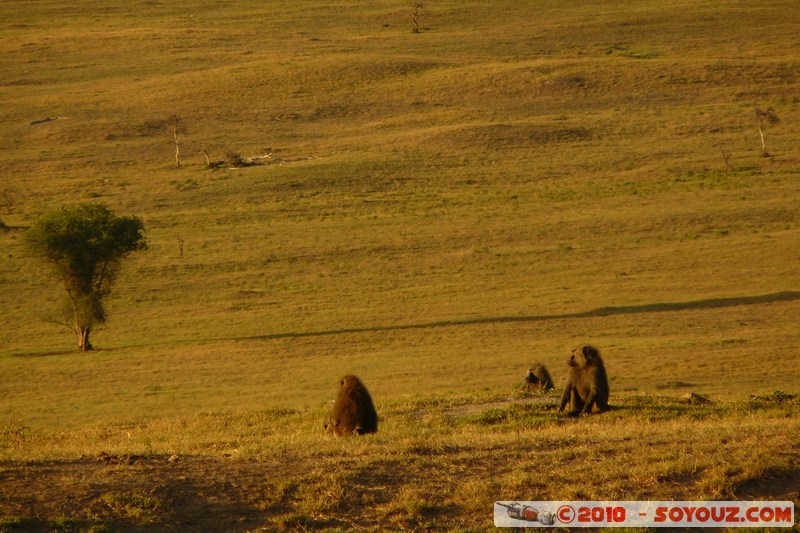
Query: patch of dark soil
x=153 y=493
x=778 y=486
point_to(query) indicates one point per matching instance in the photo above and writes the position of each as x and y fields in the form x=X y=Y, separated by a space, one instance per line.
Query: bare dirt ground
x=137 y=494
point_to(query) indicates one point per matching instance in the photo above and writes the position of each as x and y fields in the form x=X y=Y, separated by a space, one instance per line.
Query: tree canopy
x=85 y=245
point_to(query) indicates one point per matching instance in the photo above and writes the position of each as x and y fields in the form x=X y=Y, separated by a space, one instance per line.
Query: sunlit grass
x=432 y=455
x=440 y=210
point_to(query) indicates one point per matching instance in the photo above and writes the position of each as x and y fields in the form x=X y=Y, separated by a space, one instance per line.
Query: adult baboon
x=538 y=378
x=353 y=412
x=587 y=384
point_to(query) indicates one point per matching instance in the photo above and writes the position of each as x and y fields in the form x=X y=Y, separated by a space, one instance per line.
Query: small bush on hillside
x=774 y=397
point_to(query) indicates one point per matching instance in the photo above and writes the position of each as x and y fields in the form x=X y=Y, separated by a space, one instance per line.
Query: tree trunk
x=763 y=144
x=764 y=152
x=177 y=146
x=82 y=336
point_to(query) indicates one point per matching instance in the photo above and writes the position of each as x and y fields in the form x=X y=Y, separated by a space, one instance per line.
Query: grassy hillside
x=438 y=211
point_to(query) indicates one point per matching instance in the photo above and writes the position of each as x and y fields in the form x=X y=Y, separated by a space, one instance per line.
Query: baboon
x=538 y=378
x=353 y=412
x=587 y=383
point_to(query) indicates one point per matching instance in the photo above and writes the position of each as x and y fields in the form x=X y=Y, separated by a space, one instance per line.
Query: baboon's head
x=349 y=381
x=583 y=356
x=531 y=377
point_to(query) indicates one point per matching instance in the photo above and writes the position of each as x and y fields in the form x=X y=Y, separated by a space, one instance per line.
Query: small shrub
x=777 y=396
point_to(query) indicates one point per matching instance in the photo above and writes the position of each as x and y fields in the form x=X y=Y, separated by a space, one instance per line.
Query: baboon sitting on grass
x=587 y=384
x=353 y=412
x=538 y=379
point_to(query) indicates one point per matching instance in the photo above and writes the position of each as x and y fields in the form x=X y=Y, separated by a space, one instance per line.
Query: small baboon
x=353 y=412
x=587 y=384
x=538 y=378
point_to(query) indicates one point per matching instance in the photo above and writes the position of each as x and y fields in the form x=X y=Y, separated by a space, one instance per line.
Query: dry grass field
x=433 y=212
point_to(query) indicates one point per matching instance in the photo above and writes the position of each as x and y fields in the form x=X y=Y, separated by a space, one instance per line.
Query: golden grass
x=434 y=456
x=441 y=209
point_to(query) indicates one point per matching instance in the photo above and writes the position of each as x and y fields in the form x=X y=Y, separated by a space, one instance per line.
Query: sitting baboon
x=353 y=412
x=587 y=384
x=538 y=378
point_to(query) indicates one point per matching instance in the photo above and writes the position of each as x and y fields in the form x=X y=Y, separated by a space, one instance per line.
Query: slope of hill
x=432 y=211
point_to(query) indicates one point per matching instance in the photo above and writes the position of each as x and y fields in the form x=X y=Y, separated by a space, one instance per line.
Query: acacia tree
x=85 y=245
x=765 y=117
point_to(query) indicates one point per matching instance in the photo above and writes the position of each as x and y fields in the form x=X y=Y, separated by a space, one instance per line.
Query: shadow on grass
x=59 y=352
x=774 y=483
x=712 y=303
